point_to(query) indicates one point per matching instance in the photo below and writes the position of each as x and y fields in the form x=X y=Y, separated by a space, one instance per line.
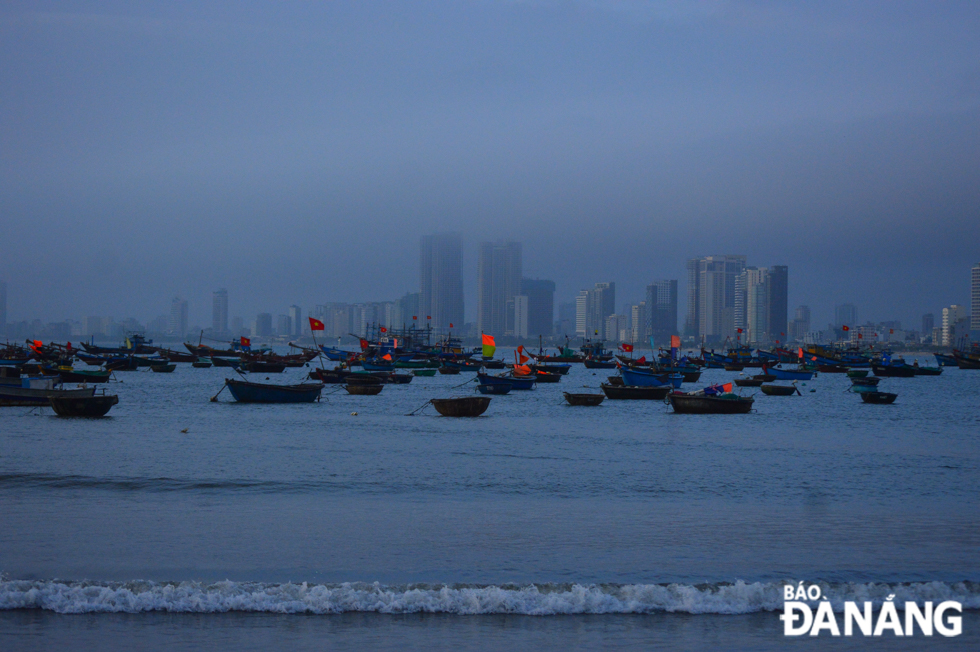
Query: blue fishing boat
x=516 y=382
x=638 y=378
x=497 y=388
x=247 y=392
x=944 y=360
x=337 y=355
x=788 y=374
x=378 y=366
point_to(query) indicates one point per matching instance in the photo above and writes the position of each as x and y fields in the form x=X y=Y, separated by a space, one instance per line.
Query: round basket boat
x=584 y=399
x=882 y=398
x=83 y=406
x=471 y=406
x=778 y=390
x=364 y=389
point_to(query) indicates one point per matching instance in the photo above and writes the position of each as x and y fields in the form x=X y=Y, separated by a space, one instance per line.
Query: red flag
x=450 y=324
x=415 y=317
x=626 y=347
x=316 y=325
x=814 y=358
x=383 y=329
x=860 y=336
x=642 y=360
x=727 y=387
x=488 y=340
x=739 y=330
x=845 y=328
x=364 y=344
x=891 y=331
x=246 y=341
x=675 y=342
x=428 y=316
x=801 y=352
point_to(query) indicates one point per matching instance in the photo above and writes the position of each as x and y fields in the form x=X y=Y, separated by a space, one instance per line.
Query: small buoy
x=184 y=430
x=353 y=414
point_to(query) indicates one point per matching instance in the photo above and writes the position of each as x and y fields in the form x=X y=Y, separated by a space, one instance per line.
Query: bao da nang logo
x=800 y=617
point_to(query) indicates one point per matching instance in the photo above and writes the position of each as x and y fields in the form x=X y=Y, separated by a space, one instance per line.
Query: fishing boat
x=377 y=366
x=691 y=374
x=83 y=406
x=766 y=378
x=779 y=390
x=163 y=368
x=201 y=364
x=33 y=392
x=650 y=379
x=424 y=372
x=701 y=403
x=449 y=370
x=360 y=389
x=584 y=399
x=499 y=388
x=218 y=361
x=857 y=373
x=967 y=363
x=83 y=376
x=788 y=374
x=878 y=397
x=550 y=368
x=945 y=360
x=859 y=385
x=545 y=377
x=358 y=378
x=122 y=364
x=748 y=382
x=732 y=366
x=635 y=393
x=591 y=363
x=927 y=371
x=176 y=356
x=248 y=392
x=470 y=406
x=832 y=368
x=516 y=382
x=893 y=370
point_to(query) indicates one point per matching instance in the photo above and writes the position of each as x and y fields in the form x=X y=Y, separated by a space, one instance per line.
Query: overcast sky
x=294 y=152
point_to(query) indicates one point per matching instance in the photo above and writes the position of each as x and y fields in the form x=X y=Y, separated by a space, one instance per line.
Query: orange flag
x=521 y=370
x=488 y=340
x=675 y=342
x=727 y=387
x=386 y=356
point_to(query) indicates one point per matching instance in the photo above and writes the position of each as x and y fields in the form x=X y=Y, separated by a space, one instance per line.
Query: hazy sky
x=294 y=152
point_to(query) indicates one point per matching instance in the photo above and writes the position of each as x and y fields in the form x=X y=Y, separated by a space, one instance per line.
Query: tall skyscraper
x=845 y=314
x=219 y=317
x=800 y=325
x=178 y=317
x=296 y=317
x=754 y=297
x=955 y=325
x=499 y=271
x=583 y=304
x=284 y=326
x=441 y=282
x=603 y=305
x=3 y=308
x=661 y=308
x=778 y=299
x=715 y=294
x=975 y=298
x=928 y=323
x=540 y=306
x=263 y=325
x=693 y=321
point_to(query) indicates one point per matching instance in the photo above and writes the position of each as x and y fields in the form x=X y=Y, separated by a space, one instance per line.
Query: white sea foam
x=539 y=600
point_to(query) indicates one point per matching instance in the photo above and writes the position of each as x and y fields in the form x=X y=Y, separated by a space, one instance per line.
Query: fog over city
x=295 y=153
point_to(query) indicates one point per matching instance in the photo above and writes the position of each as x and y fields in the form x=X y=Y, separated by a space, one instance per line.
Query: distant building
x=540 y=306
x=92 y=326
x=928 y=323
x=715 y=295
x=263 y=325
x=406 y=311
x=499 y=269
x=800 y=325
x=591 y=309
x=955 y=325
x=845 y=314
x=660 y=322
x=616 y=328
x=178 y=317
x=583 y=303
x=219 y=309
x=441 y=281
x=517 y=316
x=296 y=316
x=975 y=301
x=778 y=300
x=638 y=321
x=284 y=326
x=566 y=318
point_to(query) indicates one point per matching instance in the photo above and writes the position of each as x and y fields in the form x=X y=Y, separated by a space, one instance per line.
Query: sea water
x=184 y=523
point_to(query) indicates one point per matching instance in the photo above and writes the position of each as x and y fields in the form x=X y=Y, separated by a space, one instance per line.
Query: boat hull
x=789 y=374
x=471 y=406
x=247 y=392
x=499 y=389
x=514 y=382
x=687 y=404
x=29 y=397
x=91 y=406
x=635 y=393
x=645 y=379
x=881 y=398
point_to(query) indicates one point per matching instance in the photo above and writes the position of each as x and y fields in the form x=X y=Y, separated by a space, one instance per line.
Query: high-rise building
x=693 y=321
x=975 y=299
x=591 y=309
x=800 y=325
x=499 y=271
x=583 y=304
x=3 y=308
x=441 y=272
x=638 y=321
x=284 y=326
x=178 y=317
x=715 y=294
x=517 y=316
x=263 y=325
x=540 y=306
x=955 y=325
x=296 y=317
x=928 y=323
x=753 y=295
x=219 y=318
x=845 y=314
x=778 y=302
x=661 y=305
x=406 y=311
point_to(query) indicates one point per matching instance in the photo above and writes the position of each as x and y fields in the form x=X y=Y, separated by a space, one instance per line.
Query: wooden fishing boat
x=201 y=364
x=424 y=372
x=83 y=406
x=163 y=368
x=516 y=382
x=363 y=379
x=449 y=370
x=866 y=382
x=788 y=374
x=234 y=363
x=893 y=370
x=650 y=379
x=857 y=373
x=332 y=376
x=82 y=376
x=360 y=389
x=584 y=399
x=550 y=368
x=32 y=393
x=944 y=360
x=494 y=364
x=878 y=397
x=248 y=392
x=121 y=364
x=779 y=390
x=927 y=371
x=734 y=367
x=748 y=382
x=766 y=378
x=635 y=393
x=545 y=377
x=691 y=375
x=699 y=403
x=397 y=379
x=177 y=356
x=470 y=406
x=499 y=388
x=591 y=363
x=967 y=363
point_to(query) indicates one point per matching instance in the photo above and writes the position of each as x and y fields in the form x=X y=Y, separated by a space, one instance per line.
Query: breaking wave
x=75 y=597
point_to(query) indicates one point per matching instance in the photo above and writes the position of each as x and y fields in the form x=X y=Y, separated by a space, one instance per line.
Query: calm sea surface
x=183 y=523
